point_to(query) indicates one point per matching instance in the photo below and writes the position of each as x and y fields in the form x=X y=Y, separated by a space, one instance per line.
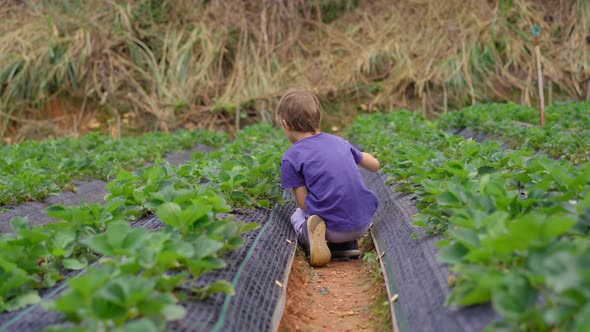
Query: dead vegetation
x=182 y=63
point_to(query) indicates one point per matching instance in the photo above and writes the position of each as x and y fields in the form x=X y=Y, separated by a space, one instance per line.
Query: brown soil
x=336 y=297
x=62 y=117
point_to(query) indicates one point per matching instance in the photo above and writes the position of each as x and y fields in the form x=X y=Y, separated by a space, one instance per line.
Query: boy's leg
x=298 y=219
x=311 y=234
x=345 y=236
x=343 y=244
x=315 y=232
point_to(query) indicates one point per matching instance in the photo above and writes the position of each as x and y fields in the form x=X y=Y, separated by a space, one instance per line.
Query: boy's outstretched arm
x=300 y=195
x=369 y=162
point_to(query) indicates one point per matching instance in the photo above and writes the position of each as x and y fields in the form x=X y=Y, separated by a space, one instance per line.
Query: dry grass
x=171 y=63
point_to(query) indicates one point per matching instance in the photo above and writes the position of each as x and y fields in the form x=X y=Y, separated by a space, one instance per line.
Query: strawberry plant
x=34 y=170
x=565 y=136
x=145 y=267
x=189 y=200
x=105 y=298
x=16 y=289
x=503 y=213
x=247 y=171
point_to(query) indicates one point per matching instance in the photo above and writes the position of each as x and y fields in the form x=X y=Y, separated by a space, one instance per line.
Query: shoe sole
x=319 y=253
x=346 y=253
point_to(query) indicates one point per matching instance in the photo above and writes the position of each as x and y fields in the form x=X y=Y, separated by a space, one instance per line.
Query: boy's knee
x=298 y=219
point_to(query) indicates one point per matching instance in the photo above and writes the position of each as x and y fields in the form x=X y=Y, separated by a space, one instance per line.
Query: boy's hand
x=369 y=163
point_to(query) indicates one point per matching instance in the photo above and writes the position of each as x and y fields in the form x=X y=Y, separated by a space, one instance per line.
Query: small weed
x=379 y=298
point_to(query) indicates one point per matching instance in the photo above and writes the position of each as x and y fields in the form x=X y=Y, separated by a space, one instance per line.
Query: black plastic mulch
x=258 y=271
x=90 y=192
x=412 y=270
x=479 y=136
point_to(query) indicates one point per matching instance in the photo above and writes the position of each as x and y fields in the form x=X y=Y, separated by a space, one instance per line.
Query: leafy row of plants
x=141 y=275
x=34 y=170
x=566 y=135
x=248 y=170
x=515 y=225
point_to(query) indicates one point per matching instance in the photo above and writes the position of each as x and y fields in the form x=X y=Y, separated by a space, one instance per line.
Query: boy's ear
x=285 y=125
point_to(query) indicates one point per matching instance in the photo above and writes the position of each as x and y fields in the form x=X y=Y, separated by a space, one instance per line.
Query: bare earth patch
x=336 y=297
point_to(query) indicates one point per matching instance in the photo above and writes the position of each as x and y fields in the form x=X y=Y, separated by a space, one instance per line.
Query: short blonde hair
x=301 y=110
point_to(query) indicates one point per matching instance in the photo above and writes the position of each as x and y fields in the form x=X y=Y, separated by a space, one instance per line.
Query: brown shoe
x=319 y=253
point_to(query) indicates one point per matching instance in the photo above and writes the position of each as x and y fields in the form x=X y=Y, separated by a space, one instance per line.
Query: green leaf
x=447 y=198
x=134 y=239
x=531 y=230
x=234 y=242
x=35 y=235
x=107 y=310
x=140 y=325
x=204 y=246
x=24 y=300
x=486 y=170
x=238 y=196
x=17 y=224
x=64 y=238
x=200 y=266
x=89 y=282
x=74 y=264
x=173 y=312
x=452 y=254
x=468 y=294
x=559 y=315
x=465 y=236
x=514 y=298
x=101 y=245
x=168 y=283
x=194 y=213
x=221 y=286
x=169 y=213
x=59 y=212
x=582 y=324
x=563 y=270
x=556 y=226
x=247 y=227
x=169 y=194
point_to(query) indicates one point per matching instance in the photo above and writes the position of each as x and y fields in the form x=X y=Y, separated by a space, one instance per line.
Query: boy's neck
x=299 y=135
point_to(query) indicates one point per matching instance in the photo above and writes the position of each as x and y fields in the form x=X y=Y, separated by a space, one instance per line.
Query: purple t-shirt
x=327 y=166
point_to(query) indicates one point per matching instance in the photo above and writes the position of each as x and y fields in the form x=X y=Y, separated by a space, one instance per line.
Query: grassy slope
x=168 y=63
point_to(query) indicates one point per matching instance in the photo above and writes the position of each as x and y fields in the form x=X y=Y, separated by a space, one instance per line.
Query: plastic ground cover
x=92 y=191
x=412 y=271
x=258 y=271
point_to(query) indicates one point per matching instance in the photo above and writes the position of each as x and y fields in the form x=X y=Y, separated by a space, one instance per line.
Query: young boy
x=334 y=203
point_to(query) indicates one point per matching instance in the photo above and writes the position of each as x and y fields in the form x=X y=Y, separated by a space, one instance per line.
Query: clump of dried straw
x=169 y=62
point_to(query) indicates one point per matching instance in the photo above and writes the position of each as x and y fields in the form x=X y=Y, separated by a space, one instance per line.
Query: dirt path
x=337 y=297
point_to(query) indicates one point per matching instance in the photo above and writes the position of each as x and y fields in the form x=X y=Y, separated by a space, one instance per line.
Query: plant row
x=141 y=274
x=565 y=136
x=34 y=170
x=515 y=225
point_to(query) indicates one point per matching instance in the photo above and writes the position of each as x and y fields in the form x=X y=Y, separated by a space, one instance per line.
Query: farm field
x=141 y=144
x=34 y=170
x=140 y=270
x=510 y=215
